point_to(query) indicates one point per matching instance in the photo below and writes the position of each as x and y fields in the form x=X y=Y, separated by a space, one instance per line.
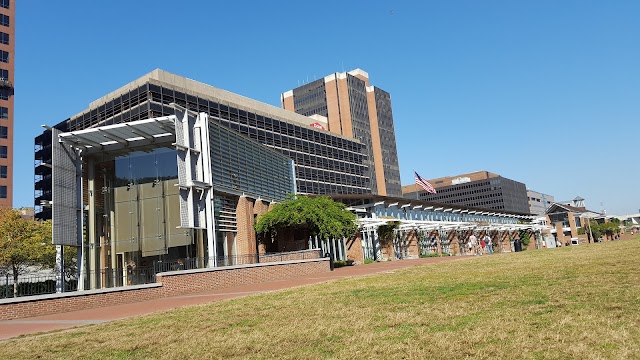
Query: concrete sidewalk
x=24 y=326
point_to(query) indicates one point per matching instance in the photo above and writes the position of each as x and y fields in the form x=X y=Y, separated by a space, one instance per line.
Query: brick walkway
x=17 y=327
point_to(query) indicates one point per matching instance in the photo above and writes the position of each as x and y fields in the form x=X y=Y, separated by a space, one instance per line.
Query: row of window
x=4 y=38
x=4 y=20
x=4 y=3
x=4 y=56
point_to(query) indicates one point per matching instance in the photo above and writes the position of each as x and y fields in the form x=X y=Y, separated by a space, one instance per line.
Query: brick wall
x=169 y=284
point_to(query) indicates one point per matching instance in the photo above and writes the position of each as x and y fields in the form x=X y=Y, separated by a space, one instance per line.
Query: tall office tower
x=351 y=107
x=7 y=47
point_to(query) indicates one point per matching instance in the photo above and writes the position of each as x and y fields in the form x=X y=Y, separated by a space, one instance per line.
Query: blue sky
x=543 y=92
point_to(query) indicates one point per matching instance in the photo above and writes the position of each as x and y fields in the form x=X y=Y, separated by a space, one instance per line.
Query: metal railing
x=33 y=284
x=40 y=284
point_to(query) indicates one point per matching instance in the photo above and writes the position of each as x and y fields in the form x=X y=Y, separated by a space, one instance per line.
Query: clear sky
x=542 y=92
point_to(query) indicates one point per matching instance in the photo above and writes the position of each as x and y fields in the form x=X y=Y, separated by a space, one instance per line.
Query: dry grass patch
x=579 y=302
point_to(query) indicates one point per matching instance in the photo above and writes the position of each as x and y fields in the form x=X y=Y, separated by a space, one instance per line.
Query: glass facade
x=361 y=125
x=311 y=99
x=388 y=143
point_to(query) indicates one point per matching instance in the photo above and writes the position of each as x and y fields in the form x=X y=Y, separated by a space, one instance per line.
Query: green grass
x=578 y=302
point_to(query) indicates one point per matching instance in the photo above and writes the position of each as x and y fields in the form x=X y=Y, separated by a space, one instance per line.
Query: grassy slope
x=579 y=302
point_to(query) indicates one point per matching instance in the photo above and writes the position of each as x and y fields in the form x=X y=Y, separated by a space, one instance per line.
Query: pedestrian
x=489 y=242
x=482 y=247
x=473 y=242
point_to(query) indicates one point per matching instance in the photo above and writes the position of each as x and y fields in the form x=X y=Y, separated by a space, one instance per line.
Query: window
x=4 y=152
x=4 y=19
x=4 y=74
x=3 y=172
x=3 y=192
x=4 y=38
x=4 y=112
x=4 y=93
x=4 y=132
x=4 y=56
x=4 y=4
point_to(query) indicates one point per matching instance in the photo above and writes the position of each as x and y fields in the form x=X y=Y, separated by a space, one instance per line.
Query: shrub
x=339 y=263
x=430 y=255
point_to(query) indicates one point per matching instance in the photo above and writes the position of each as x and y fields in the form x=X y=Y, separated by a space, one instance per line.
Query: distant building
x=350 y=106
x=481 y=189
x=26 y=213
x=539 y=202
x=577 y=202
x=7 y=56
x=568 y=220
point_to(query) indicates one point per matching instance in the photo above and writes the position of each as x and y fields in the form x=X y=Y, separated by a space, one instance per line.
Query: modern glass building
x=161 y=191
x=356 y=110
x=325 y=162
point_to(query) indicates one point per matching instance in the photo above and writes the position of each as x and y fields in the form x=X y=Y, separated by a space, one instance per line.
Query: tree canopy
x=319 y=215
x=24 y=243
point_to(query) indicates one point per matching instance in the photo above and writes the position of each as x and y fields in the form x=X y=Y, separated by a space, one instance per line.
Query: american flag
x=424 y=184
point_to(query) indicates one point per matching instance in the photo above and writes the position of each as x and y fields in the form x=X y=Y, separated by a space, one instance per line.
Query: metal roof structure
x=374 y=223
x=123 y=136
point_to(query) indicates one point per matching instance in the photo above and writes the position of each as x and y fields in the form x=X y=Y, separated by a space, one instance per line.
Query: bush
x=339 y=263
x=369 y=261
x=429 y=255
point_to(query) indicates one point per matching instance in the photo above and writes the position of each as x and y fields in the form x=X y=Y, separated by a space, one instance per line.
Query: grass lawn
x=579 y=302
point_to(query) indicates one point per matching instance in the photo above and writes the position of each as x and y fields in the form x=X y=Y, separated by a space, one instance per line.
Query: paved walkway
x=17 y=327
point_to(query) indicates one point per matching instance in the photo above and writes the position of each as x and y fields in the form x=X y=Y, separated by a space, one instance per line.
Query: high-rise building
x=353 y=108
x=7 y=47
x=481 y=189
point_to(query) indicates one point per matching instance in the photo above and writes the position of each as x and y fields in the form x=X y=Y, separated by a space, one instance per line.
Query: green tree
x=23 y=244
x=319 y=216
x=525 y=238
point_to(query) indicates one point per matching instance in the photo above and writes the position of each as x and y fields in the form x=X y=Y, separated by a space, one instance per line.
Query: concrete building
x=481 y=189
x=539 y=202
x=7 y=58
x=351 y=107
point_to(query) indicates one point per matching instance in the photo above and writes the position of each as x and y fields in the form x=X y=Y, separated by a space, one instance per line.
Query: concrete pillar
x=91 y=226
x=200 y=247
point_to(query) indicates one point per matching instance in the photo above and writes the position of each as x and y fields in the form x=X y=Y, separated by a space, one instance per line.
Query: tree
x=525 y=238
x=319 y=215
x=23 y=244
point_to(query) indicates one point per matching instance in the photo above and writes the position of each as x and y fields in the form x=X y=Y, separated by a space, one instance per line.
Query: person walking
x=482 y=246
x=473 y=242
x=487 y=240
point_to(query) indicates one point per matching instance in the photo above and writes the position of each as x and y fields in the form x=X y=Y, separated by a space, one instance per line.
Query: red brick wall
x=169 y=284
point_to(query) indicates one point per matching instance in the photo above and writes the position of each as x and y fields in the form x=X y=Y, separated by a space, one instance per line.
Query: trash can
x=517 y=245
